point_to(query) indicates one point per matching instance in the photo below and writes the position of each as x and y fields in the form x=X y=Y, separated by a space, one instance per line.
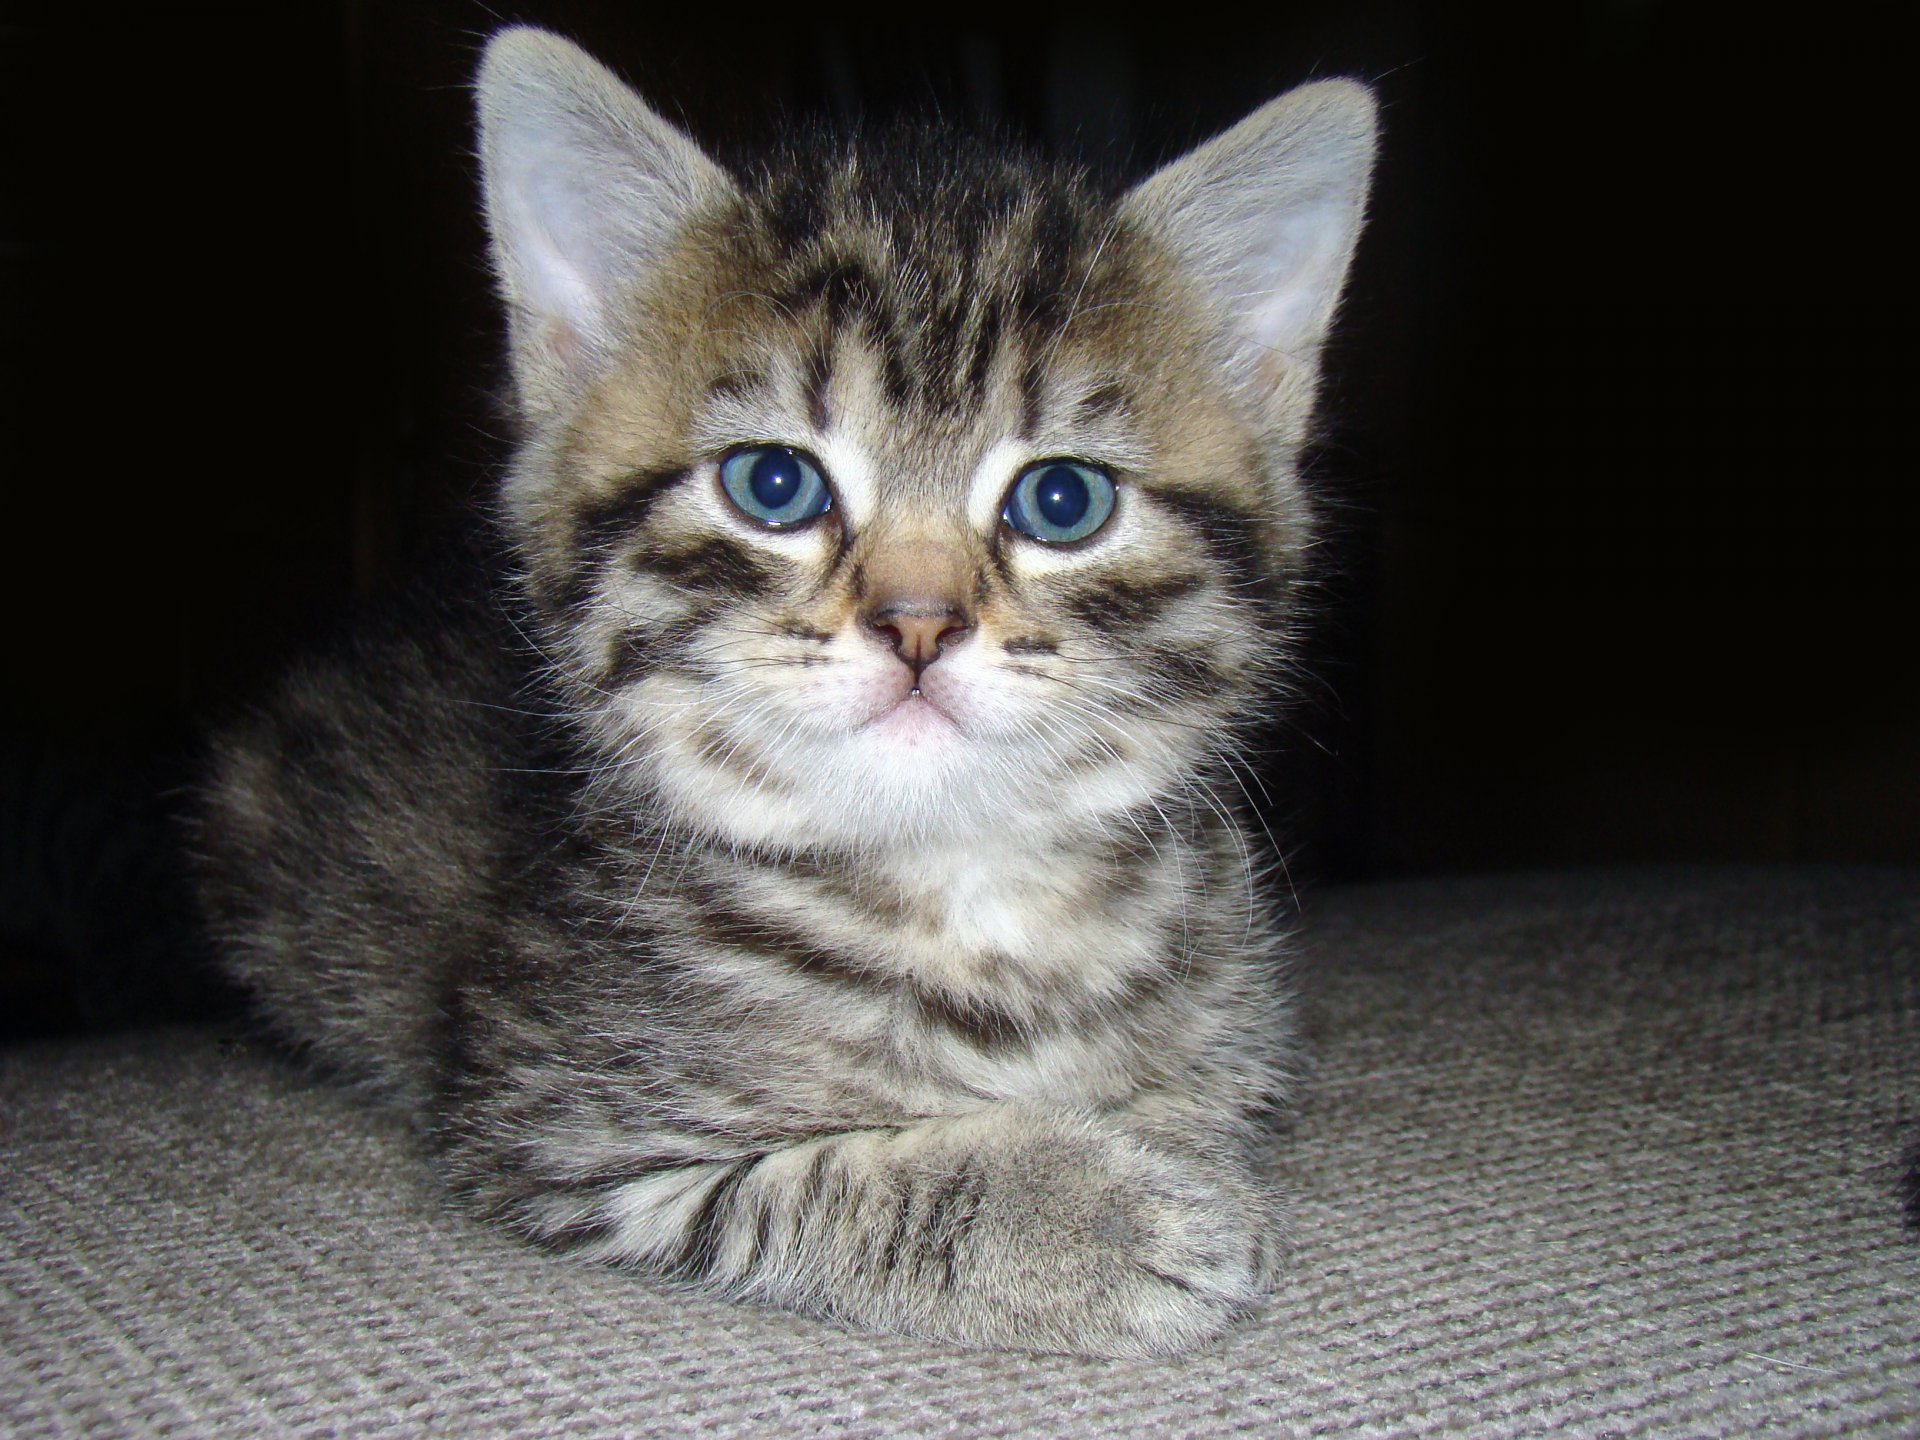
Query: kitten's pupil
x=1062 y=497
x=776 y=478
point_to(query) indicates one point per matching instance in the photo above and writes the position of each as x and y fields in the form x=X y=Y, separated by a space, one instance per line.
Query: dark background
x=1619 y=429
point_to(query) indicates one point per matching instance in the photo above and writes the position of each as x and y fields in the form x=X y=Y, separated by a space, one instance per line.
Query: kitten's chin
x=914 y=723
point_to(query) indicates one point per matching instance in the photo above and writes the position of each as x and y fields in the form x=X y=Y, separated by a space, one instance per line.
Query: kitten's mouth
x=914 y=715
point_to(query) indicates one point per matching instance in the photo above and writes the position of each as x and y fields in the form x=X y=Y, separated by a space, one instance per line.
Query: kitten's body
x=850 y=913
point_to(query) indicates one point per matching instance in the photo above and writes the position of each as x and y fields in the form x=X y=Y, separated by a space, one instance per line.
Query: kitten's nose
x=919 y=630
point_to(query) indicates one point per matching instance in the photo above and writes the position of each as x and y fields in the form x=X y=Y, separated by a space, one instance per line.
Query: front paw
x=1089 y=1241
x=1190 y=1254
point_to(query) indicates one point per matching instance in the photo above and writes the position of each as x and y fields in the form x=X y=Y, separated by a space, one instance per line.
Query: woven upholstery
x=1603 y=1154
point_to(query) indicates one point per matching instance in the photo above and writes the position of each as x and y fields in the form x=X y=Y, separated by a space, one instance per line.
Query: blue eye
x=1060 y=501
x=775 y=485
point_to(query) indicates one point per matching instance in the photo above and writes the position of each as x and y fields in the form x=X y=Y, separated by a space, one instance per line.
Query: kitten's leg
x=1013 y=1225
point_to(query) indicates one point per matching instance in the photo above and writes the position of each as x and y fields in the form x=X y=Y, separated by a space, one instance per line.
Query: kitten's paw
x=1194 y=1254
x=1094 y=1243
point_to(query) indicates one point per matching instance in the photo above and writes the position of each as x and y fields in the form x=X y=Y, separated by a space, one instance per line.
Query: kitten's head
x=909 y=488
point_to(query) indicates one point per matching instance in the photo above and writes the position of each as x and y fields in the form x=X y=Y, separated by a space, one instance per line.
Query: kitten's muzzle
x=919 y=631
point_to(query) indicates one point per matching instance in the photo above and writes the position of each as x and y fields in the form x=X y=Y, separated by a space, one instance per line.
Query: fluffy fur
x=723 y=916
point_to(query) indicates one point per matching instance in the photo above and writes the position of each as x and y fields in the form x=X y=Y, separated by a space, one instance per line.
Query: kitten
x=812 y=872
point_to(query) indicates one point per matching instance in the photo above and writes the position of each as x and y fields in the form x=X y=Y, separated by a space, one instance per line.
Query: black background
x=1618 y=446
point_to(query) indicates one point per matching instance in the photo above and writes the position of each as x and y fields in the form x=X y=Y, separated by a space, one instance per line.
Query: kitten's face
x=910 y=495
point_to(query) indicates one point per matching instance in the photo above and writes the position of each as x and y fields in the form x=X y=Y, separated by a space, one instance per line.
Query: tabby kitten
x=812 y=872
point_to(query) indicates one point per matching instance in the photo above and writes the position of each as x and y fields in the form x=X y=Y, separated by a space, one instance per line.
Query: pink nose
x=919 y=631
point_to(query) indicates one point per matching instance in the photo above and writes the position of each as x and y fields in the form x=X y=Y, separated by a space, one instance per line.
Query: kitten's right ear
x=586 y=191
x=1266 y=217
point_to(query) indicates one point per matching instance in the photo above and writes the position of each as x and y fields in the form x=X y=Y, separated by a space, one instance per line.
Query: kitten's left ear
x=587 y=191
x=1267 y=215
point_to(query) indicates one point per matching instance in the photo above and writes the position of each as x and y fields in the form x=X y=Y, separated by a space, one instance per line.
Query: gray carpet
x=1607 y=1154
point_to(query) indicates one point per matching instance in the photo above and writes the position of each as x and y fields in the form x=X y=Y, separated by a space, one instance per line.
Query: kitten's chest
x=914 y=984
x=1036 y=933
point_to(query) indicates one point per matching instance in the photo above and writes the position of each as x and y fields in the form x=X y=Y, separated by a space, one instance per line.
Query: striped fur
x=709 y=936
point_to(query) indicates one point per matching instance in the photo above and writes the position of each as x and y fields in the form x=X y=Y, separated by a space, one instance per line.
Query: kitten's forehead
x=949 y=263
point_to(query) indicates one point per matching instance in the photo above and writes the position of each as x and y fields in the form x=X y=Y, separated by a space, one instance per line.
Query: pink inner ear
x=1303 y=263
x=561 y=243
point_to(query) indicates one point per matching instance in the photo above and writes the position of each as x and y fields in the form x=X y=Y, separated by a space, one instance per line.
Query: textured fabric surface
x=1606 y=1154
